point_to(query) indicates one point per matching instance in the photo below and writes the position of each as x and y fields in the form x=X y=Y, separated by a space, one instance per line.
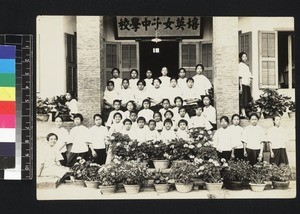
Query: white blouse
x=63 y=138
x=146 y=113
x=210 y=113
x=200 y=121
x=79 y=136
x=73 y=106
x=165 y=81
x=201 y=83
x=110 y=96
x=278 y=136
x=236 y=136
x=182 y=134
x=118 y=83
x=99 y=136
x=110 y=119
x=253 y=136
x=126 y=95
x=245 y=74
x=181 y=83
x=221 y=140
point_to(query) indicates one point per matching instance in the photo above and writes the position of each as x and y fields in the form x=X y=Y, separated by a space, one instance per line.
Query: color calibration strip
x=22 y=107
x=7 y=106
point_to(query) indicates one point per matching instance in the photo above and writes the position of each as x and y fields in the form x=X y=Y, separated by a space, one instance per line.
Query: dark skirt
x=239 y=154
x=252 y=156
x=280 y=156
x=225 y=154
x=101 y=156
x=245 y=97
x=214 y=125
x=73 y=158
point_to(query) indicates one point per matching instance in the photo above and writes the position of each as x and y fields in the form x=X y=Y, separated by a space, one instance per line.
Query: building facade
x=78 y=52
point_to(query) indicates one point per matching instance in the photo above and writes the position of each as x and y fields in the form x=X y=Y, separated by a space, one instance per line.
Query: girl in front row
x=221 y=140
x=252 y=137
x=236 y=132
x=158 y=120
x=168 y=134
x=278 y=138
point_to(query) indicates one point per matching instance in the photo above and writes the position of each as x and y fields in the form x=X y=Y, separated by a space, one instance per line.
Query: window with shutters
x=120 y=55
x=206 y=59
x=189 y=57
x=129 y=58
x=268 y=60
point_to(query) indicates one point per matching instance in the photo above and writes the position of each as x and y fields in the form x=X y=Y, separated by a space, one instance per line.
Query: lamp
x=156 y=39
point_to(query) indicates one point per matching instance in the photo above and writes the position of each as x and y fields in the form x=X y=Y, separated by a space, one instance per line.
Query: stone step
x=47 y=182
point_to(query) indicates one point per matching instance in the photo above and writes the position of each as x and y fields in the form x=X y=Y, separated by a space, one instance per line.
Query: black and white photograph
x=165 y=107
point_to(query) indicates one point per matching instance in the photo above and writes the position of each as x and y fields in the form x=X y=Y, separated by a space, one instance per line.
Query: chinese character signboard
x=167 y=26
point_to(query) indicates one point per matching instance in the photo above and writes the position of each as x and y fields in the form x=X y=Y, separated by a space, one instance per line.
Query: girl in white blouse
x=278 y=138
x=181 y=81
x=182 y=131
x=236 y=132
x=146 y=112
x=133 y=78
x=252 y=137
x=221 y=140
x=168 y=134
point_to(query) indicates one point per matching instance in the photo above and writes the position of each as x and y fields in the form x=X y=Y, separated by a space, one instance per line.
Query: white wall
x=255 y=24
x=51 y=53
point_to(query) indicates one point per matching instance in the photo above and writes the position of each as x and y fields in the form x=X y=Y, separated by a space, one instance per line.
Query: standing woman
x=252 y=137
x=245 y=78
x=278 y=137
x=71 y=103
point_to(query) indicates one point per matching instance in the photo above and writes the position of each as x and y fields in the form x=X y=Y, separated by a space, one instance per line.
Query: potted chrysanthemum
x=280 y=176
x=90 y=175
x=77 y=176
x=161 y=182
x=159 y=154
x=133 y=173
x=183 y=174
x=109 y=176
x=259 y=174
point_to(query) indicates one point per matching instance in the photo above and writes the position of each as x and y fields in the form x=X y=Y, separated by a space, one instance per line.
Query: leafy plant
x=183 y=172
x=281 y=172
x=260 y=172
x=271 y=103
x=59 y=104
x=160 y=178
x=42 y=106
x=237 y=171
x=90 y=172
x=210 y=171
x=133 y=172
x=78 y=168
x=109 y=174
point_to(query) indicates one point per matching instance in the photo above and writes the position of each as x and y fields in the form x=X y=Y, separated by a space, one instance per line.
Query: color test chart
x=7 y=107
x=15 y=107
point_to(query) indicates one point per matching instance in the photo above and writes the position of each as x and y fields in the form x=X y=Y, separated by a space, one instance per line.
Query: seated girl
x=221 y=140
x=126 y=93
x=117 y=108
x=149 y=79
x=141 y=93
x=167 y=134
x=182 y=131
x=133 y=78
x=182 y=115
x=50 y=160
x=127 y=130
x=202 y=83
x=153 y=134
x=110 y=94
x=115 y=72
x=190 y=95
x=173 y=91
x=141 y=132
x=155 y=95
x=130 y=106
x=199 y=121
x=146 y=112
x=209 y=112
x=158 y=120
x=71 y=103
x=178 y=104
x=133 y=118
x=181 y=81
x=117 y=125
x=165 y=105
x=165 y=80
x=169 y=115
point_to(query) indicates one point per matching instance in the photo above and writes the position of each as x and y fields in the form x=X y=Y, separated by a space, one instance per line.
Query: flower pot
x=162 y=188
x=161 y=164
x=42 y=117
x=257 y=187
x=281 y=184
x=214 y=186
x=184 y=188
x=234 y=185
x=106 y=190
x=178 y=161
x=92 y=184
x=132 y=189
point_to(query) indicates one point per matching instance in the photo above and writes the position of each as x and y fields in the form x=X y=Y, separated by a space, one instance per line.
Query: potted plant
x=77 y=176
x=259 y=175
x=90 y=175
x=292 y=109
x=133 y=174
x=280 y=176
x=159 y=154
x=161 y=182
x=236 y=174
x=271 y=103
x=210 y=172
x=122 y=146
x=181 y=150
x=60 y=108
x=42 y=109
x=108 y=177
x=183 y=174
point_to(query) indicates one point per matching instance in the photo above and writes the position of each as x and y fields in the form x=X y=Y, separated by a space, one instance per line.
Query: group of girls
x=235 y=142
x=160 y=91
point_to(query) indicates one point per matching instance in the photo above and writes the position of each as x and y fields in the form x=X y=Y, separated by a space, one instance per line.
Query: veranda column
x=225 y=62
x=89 y=65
